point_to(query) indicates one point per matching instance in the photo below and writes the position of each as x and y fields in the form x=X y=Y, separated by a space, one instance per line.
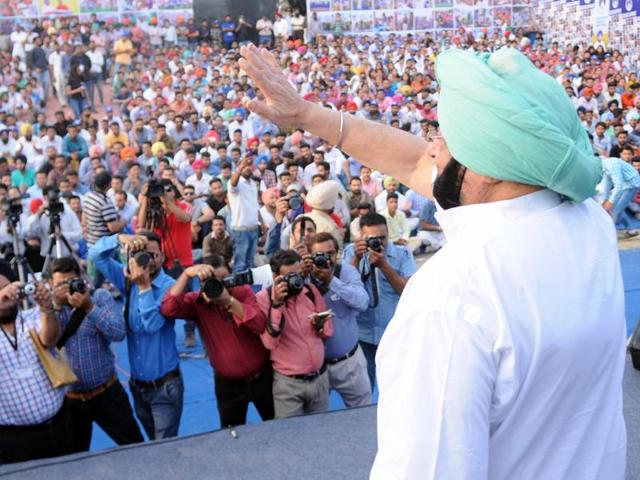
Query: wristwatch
x=231 y=302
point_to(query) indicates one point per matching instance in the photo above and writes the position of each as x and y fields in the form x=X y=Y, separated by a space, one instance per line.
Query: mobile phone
x=324 y=315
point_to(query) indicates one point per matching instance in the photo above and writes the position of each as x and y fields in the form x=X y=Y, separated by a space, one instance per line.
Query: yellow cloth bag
x=56 y=368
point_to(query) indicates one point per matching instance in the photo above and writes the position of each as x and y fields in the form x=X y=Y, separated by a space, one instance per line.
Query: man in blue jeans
x=622 y=182
x=156 y=382
x=243 y=201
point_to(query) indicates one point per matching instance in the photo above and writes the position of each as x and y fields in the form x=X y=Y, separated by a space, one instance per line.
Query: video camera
x=157 y=188
x=213 y=287
x=56 y=207
x=13 y=208
x=375 y=243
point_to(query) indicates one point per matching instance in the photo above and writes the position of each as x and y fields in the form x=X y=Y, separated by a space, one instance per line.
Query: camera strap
x=77 y=316
x=127 y=301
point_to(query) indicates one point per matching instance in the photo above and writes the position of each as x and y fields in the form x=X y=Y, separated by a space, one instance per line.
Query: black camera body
x=13 y=208
x=213 y=287
x=77 y=285
x=295 y=283
x=56 y=207
x=321 y=260
x=375 y=243
x=155 y=190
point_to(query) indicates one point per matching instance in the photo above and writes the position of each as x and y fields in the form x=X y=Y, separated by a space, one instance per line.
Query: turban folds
x=504 y=118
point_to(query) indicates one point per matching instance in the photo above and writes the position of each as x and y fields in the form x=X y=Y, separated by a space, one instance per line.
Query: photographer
x=385 y=269
x=230 y=324
x=39 y=224
x=344 y=293
x=156 y=382
x=89 y=324
x=294 y=334
x=162 y=212
x=99 y=217
x=35 y=420
x=283 y=234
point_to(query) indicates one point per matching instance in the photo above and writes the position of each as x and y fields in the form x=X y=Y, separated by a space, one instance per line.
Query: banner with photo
x=399 y=16
x=104 y=9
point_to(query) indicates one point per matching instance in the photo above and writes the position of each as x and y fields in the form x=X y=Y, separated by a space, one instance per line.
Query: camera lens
x=142 y=259
x=213 y=288
x=295 y=202
x=77 y=285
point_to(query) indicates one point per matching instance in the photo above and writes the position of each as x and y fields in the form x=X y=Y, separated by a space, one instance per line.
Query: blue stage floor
x=200 y=413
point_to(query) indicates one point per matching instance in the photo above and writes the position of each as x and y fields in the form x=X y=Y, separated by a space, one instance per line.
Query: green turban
x=502 y=117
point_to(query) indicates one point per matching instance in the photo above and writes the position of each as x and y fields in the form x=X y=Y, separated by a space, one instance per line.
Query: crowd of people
x=129 y=161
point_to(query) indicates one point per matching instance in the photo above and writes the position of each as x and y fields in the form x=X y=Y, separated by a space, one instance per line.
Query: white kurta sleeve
x=436 y=376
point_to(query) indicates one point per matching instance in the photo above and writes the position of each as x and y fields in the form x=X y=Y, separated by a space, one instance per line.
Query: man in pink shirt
x=294 y=334
x=369 y=185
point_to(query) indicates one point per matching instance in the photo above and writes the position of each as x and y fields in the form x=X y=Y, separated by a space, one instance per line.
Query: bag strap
x=77 y=316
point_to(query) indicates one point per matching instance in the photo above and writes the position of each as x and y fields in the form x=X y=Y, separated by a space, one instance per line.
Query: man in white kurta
x=505 y=357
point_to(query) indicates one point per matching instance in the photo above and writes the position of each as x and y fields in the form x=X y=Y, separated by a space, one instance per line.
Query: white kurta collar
x=488 y=217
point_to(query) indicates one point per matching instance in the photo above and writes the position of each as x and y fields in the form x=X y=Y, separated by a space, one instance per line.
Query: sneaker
x=190 y=340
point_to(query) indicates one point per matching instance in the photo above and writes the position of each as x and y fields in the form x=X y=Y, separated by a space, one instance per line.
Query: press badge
x=23 y=373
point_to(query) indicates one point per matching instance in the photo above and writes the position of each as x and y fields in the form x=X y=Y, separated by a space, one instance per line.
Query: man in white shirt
x=199 y=180
x=243 y=201
x=95 y=75
x=506 y=353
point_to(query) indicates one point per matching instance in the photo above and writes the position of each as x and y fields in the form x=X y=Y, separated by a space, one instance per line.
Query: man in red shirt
x=230 y=327
x=170 y=218
x=294 y=334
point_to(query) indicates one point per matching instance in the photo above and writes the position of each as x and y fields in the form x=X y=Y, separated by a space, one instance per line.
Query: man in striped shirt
x=99 y=216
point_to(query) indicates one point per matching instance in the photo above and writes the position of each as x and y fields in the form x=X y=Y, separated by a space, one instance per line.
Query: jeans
x=245 y=245
x=95 y=83
x=369 y=351
x=111 y=411
x=159 y=409
x=621 y=201
x=77 y=105
x=43 y=79
x=50 y=439
x=265 y=40
x=233 y=397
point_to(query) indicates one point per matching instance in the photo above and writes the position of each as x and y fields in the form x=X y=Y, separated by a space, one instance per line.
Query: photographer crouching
x=35 y=421
x=156 y=382
x=89 y=324
x=230 y=322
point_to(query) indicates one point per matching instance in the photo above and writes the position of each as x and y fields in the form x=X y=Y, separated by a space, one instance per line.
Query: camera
x=213 y=287
x=142 y=258
x=56 y=207
x=321 y=260
x=13 y=208
x=156 y=189
x=375 y=243
x=27 y=290
x=295 y=202
x=77 y=285
x=295 y=283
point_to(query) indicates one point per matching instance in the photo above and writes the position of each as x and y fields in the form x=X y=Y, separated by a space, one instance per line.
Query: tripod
x=56 y=240
x=19 y=262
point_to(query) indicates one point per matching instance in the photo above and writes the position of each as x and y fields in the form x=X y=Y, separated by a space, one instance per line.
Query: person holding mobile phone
x=295 y=331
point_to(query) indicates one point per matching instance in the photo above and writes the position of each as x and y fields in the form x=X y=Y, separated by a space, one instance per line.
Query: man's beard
x=8 y=316
x=447 y=186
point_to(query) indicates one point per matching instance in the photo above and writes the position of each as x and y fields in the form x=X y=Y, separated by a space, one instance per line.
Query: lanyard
x=14 y=342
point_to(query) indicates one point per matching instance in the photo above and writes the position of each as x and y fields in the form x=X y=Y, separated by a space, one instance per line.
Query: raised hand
x=282 y=104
